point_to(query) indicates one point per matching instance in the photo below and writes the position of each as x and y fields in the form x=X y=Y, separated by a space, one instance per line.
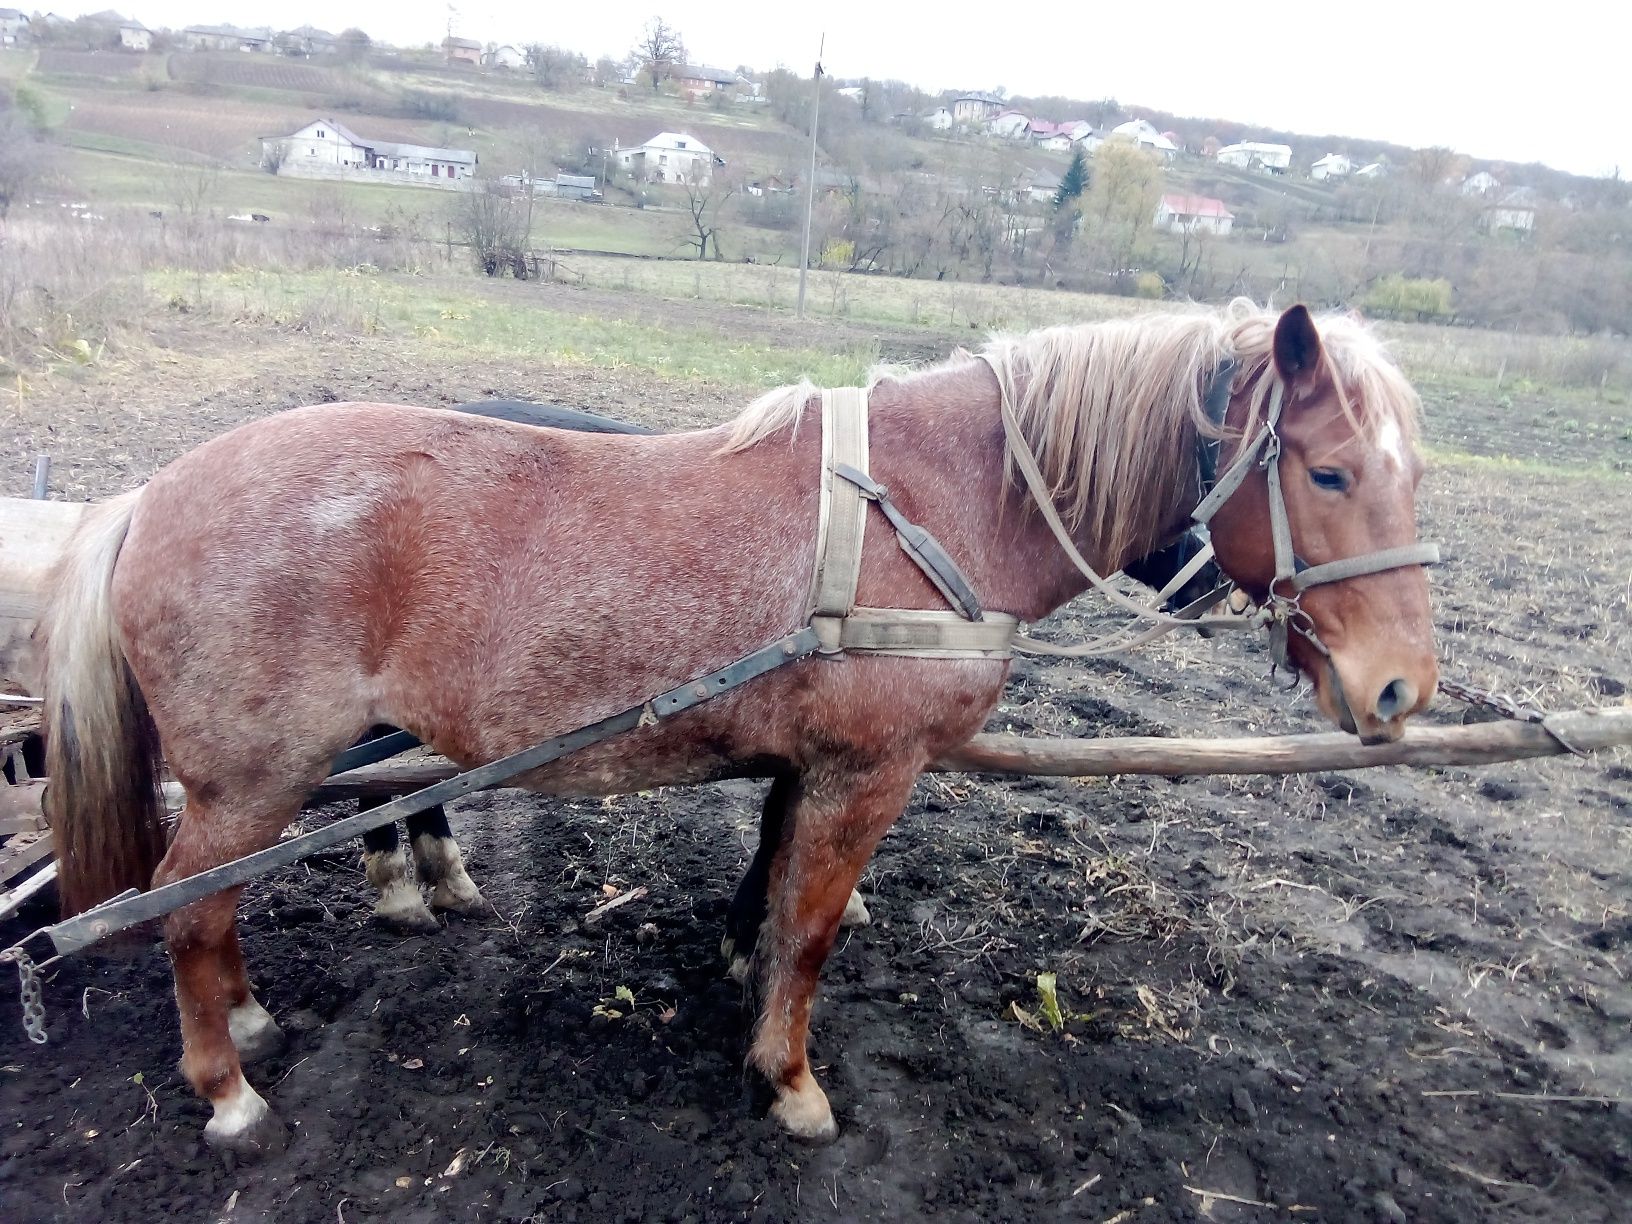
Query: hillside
x=894 y=199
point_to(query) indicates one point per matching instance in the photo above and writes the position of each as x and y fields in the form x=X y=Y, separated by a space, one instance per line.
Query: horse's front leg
x=836 y=817
x=747 y=911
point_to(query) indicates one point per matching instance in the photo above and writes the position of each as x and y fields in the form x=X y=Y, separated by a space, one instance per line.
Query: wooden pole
x=1478 y=744
x=810 y=184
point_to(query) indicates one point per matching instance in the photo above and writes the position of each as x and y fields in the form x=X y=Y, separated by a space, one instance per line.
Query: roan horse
x=486 y=586
x=436 y=857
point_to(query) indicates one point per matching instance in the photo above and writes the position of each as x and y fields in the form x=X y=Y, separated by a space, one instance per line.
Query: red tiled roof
x=1196 y=206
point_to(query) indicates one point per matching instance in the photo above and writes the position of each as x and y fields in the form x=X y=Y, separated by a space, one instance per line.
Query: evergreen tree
x=1075 y=181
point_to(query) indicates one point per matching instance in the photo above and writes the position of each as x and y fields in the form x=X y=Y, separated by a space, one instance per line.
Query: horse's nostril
x=1397 y=697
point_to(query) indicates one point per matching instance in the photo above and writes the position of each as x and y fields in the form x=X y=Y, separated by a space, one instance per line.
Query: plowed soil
x=1393 y=995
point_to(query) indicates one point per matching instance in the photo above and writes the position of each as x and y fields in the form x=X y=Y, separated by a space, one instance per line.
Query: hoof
x=407 y=921
x=805 y=1114
x=740 y=970
x=856 y=913
x=245 y=1126
x=255 y=1035
x=468 y=905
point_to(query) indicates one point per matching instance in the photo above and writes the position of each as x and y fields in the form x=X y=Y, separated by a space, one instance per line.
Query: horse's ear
x=1297 y=349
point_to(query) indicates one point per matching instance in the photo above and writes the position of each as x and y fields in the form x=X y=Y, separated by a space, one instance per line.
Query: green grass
x=937 y=305
x=1509 y=465
x=445 y=311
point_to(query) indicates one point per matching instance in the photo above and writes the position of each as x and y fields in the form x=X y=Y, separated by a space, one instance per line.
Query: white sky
x=1532 y=82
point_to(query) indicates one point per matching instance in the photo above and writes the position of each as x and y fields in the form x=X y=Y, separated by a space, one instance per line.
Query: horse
x=437 y=860
x=485 y=585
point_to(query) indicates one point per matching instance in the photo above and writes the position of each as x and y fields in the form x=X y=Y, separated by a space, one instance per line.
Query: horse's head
x=1348 y=471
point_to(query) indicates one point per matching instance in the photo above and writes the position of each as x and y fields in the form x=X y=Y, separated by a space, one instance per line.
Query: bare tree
x=274 y=155
x=555 y=67
x=495 y=222
x=660 y=50
x=193 y=190
x=25 y=159
x=706 y=198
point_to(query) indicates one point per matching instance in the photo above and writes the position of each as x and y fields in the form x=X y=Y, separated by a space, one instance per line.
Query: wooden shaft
x=1478 y=744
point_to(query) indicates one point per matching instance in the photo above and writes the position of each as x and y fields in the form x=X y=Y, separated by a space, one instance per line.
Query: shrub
x=1401 y=297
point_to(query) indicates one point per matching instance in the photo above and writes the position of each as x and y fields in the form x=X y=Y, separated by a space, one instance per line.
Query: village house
x=696 y=81
x=462 y=51
x=1333 y=165
x=975 y=108
x=1179 y=214
x=13 y=27
x=1061 y=137
x=940 y=119
x=226 y=38
x=1143 y=134
x=771 y=185
x=1041 y=186
x=562 y=186
x=1371 y=170
x=1255 y=155
x=1515 y=212
x=670 y=157
x=507 y=56
x=1482 y=184
x=1009 y=125
x=307 y=40
x=326 y=149
x=134 y=36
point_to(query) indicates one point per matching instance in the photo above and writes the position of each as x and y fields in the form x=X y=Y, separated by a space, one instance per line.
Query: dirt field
x=1385 y=996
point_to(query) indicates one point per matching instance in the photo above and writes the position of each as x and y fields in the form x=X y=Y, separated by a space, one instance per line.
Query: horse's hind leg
x=399 y=905
x=222 y=1024
x=442 y=866
x=837 y=819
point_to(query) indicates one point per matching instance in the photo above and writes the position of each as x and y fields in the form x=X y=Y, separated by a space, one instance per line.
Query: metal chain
x=28 y=979
x=1501 y=703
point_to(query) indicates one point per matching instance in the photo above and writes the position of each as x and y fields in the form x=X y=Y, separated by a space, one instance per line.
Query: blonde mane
x=1112 y=410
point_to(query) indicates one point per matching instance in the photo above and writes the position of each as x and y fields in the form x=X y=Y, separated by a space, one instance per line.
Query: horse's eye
x=1329 y=478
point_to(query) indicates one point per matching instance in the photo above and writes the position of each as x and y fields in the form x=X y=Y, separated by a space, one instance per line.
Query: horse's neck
x=943 y=433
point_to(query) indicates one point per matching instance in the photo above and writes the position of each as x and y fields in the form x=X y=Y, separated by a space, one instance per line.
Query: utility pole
x=810 y=183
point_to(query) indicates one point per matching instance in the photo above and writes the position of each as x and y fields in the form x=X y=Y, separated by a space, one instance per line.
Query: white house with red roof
x=1178 y=214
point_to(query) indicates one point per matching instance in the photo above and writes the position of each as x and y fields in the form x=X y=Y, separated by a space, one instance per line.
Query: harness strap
x=923 y=549
x=1371 y=563
x=843 y=516
x=918 y=633
x=838 y=624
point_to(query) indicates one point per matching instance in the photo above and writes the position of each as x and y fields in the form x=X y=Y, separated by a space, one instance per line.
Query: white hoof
x=467 y=900
x=254 y=1033
x=244 y=1124
x=856 y=913
x=401 y=908
x=803 y=1111
x=739 y=970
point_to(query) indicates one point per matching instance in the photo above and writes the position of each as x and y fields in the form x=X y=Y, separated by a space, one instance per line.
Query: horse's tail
x=103 y=796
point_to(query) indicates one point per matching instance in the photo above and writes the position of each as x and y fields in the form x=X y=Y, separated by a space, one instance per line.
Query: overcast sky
x=1497 y=80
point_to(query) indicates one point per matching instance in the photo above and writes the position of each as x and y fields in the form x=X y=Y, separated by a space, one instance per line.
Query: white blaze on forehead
x=1391 y=441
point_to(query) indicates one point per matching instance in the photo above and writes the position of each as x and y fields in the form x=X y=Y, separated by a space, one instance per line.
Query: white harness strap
x=842 y=522
x=841 y=528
